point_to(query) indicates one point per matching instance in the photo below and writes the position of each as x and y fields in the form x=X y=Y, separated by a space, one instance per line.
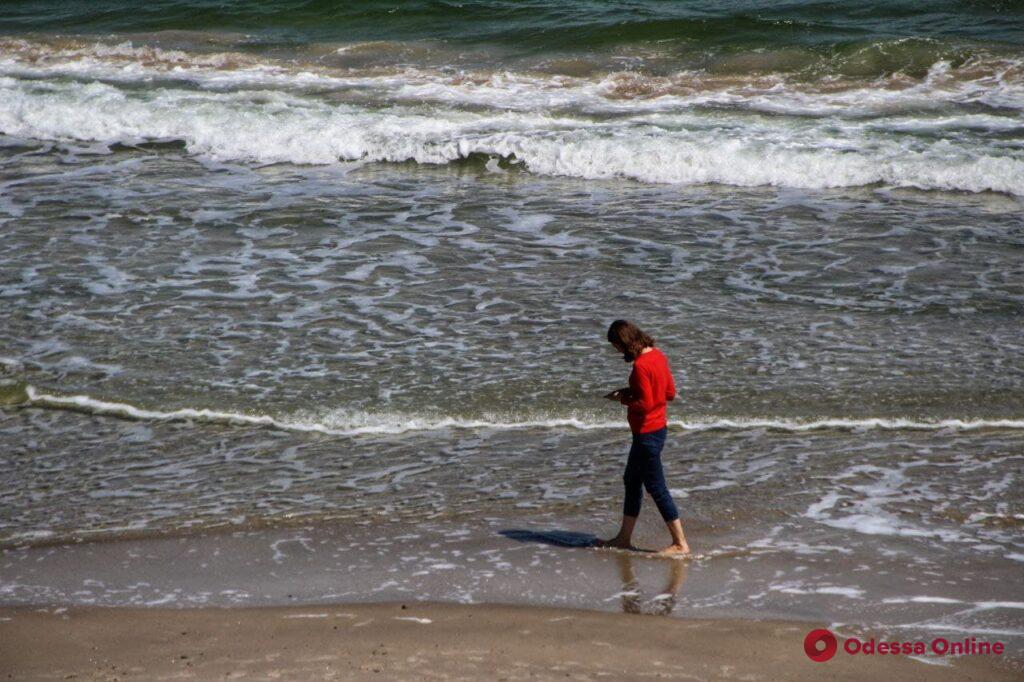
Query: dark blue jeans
x=643 y=470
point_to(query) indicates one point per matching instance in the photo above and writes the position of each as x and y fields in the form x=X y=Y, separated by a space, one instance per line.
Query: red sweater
x=651 y=384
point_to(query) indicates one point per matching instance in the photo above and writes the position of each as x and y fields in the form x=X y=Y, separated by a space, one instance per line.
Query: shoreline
x=519 y=561
x=431 y=640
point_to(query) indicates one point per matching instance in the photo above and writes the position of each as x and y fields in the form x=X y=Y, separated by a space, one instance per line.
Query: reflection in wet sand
x=632 y=593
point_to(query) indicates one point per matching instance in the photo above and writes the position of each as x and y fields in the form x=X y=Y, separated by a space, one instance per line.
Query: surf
x=684 y=149
x=342 y=422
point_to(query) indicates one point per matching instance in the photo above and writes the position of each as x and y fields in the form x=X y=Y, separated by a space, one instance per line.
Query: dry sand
x=419 y=640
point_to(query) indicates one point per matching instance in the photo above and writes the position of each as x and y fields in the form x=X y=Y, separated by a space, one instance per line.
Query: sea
x=305 y=300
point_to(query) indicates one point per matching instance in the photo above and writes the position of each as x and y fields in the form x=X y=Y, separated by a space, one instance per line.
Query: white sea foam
x=966 y=630
x=862 y=507
x=661 y=140
x=356 y=423
x=921 y=600
x=986 y=605
x=796 y=587
x=988 y=81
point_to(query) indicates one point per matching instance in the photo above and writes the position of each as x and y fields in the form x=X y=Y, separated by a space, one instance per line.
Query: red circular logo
x=816 y=654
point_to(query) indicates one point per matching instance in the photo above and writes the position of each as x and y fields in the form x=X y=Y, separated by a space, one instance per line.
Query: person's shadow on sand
x=631 y=594
x=558 y=538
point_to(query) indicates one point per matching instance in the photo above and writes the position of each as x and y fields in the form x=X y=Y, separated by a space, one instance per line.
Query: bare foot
x=614 y=542
x=675 y=550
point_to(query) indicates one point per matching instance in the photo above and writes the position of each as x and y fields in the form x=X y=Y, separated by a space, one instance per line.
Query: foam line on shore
x=368 y=423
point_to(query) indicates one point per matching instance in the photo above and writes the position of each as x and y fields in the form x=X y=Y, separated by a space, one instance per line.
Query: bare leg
x=622 y=540
x=679 y=544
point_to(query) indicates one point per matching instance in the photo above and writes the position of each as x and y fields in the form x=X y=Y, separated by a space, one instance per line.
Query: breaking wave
x=956 y=128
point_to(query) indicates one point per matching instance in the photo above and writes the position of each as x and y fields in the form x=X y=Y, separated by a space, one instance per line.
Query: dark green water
x=541 y=24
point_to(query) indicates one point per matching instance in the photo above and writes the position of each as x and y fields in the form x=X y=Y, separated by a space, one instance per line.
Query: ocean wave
x=677 y=148
x=350 y=423
x=993 y=80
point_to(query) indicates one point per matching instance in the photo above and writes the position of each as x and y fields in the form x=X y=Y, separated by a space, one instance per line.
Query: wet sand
x=427 y=640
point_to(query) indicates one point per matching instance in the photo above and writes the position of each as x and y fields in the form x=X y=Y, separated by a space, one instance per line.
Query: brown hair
x=631 y=336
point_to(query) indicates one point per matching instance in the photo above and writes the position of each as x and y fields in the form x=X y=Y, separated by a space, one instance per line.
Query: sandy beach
x=422 y=640
x=481 y=602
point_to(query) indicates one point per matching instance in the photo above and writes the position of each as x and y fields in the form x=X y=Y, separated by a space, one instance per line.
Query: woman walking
x=650 y=387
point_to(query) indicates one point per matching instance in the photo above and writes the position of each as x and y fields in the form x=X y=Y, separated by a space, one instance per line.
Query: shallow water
x=265 y=284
